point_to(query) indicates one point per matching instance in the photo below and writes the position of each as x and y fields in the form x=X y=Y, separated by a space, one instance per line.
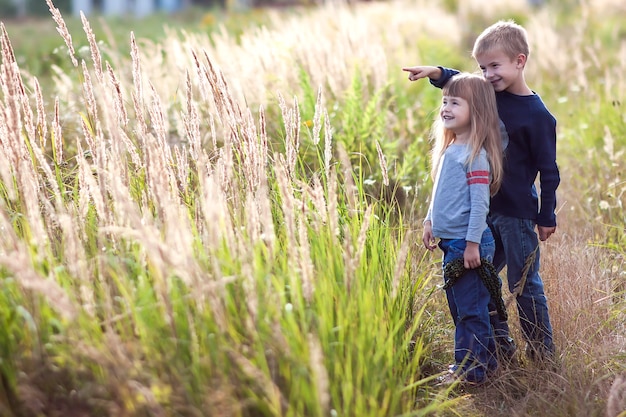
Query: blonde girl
x=467 y=170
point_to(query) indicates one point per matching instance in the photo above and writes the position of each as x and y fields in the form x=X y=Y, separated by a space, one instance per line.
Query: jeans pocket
x=452 y=249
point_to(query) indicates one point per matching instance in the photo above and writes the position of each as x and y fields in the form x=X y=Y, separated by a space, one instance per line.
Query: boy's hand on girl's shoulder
x=423 y=71
x=545 y=232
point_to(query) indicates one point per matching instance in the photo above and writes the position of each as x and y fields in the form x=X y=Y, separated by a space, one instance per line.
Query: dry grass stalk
x=315 y=193
x=350 y=262
x=304 y=254
x=250 y=145
x=220 y=92
x=12 y=89
x=42 y=125
x=264 y=204
x=261 y=383
x=27 y=115
x=288 y=205
x=362 y=237
x=317 y=125
x=82 y=203
x=579 y=308
x=252 y=152
x=28 y=184
x=138 y=87
x=75 y=259
x=351 y=191
x=8 y=56
x=57 y=132
x=93 y=46
x=328 y=150
x=50 y=180
x=519 y=286
x=16 y=258
x=132 y=151
x=88 y=183
x=291 y=120
x=253 y=220
x=259 y=210
x=616 y=404
x=152 y=405
x=401 y=259
x=181 y=163
x=319 y=373
x=191 y=121
x=383 y=164
x=217 y=224
x=248 y=281
x=63 y=31
x=6 y=174
x=118 y=98
x=333 y=203
x=224 y=167
x=203 y=79
x=158 y=120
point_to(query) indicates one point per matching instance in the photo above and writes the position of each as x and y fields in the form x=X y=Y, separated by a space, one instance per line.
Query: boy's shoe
x=451 y=379
x=542 y=358
x=507 y=353
x=509 y=361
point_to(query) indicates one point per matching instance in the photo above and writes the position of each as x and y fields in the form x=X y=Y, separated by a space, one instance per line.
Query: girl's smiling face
x=455 y=115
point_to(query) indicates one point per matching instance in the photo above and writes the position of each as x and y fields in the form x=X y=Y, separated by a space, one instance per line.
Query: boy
x=502 y=51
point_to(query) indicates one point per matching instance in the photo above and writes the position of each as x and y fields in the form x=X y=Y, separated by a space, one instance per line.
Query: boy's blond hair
x=505 y=35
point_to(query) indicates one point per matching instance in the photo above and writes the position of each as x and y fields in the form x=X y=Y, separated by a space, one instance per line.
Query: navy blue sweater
x=531 y=151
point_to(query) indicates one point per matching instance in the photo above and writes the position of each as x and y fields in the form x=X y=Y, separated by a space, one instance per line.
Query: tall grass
x=228 y=224
x=198 y=272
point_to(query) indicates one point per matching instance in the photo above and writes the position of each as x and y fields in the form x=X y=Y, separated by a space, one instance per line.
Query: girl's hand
x=471 y=256
x=427 y=236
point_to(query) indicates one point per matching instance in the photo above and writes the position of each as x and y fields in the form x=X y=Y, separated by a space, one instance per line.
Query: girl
x=467 y=170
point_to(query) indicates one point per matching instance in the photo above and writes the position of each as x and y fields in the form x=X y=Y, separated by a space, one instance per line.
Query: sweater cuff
x=445 y=77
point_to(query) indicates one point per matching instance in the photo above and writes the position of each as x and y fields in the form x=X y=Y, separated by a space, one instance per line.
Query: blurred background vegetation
x=169 y=298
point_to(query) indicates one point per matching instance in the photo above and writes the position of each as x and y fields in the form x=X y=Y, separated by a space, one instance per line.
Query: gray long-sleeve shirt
x=460 y=199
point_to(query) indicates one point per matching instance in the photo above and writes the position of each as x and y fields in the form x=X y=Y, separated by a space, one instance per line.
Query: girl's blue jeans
x=468 y=300
x=516 y=239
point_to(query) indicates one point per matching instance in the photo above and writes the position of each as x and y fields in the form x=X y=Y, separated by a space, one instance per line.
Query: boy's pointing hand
x=423 y=71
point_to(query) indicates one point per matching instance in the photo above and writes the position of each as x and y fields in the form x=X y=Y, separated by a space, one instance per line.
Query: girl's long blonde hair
x=484 y=121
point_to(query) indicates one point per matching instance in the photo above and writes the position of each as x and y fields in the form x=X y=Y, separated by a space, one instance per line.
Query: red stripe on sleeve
x=477 y=174
x=478 y=180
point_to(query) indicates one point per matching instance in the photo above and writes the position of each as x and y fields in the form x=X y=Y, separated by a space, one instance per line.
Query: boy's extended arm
x=438 y=76
x=423 y=71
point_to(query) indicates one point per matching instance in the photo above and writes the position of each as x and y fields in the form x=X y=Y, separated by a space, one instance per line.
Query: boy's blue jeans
x=516 y=239
x=468 y=300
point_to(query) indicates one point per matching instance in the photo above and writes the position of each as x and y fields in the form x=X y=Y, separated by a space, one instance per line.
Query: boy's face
x=501 y=71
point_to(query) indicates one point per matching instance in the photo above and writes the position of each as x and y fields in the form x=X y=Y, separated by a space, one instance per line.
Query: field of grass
x=222 y=216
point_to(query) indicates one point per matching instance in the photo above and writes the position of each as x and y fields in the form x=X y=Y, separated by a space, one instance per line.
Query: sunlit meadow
x=227 y=222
